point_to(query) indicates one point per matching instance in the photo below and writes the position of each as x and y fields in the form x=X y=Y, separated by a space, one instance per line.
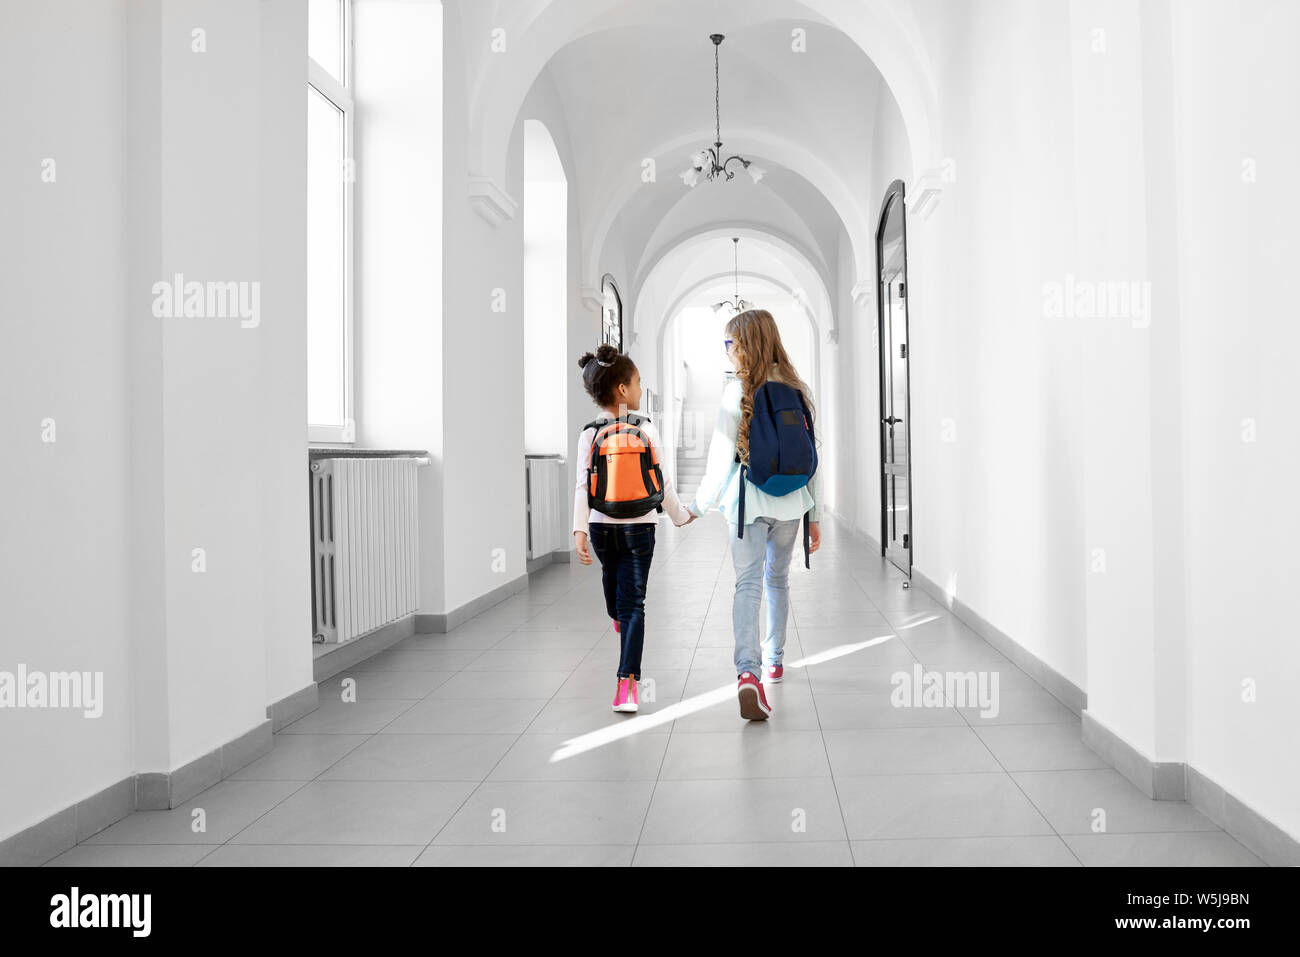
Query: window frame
x=340 y=96
x=607 y=283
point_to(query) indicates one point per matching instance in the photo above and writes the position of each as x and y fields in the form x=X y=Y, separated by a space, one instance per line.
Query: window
x=611 y=325
x=546 y=299
x=329 y=221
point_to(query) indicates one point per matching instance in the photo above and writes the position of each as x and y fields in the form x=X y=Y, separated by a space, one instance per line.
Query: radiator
x=365 y=545
x=550 y=496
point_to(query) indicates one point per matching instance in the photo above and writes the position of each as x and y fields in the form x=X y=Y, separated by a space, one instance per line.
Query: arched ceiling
x=636 y=83
x=702 y=265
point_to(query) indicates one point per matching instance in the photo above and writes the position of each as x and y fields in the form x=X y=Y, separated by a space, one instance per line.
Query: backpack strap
x=740 y=514
x=806 y=539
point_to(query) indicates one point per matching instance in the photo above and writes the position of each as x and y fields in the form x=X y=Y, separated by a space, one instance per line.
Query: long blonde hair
x=759 y=348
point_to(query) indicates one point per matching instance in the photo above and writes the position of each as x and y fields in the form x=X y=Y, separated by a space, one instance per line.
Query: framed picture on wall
x=611 y=323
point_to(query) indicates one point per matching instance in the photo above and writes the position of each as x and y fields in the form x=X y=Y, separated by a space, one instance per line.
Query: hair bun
x=585 y=359
x=606 y=353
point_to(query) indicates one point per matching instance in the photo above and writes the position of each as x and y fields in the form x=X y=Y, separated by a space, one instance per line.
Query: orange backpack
x=624 y=479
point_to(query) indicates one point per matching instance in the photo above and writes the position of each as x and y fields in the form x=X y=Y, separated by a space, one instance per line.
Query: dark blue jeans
x=625 y=552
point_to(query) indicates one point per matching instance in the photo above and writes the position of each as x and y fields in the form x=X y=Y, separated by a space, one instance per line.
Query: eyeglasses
x=727 y=344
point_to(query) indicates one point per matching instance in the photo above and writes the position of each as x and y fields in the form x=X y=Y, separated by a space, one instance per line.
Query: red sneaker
x=773 y=674
x=615 y=626
x=753 y=703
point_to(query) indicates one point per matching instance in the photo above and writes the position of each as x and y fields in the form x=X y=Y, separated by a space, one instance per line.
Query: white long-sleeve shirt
x=583 y=514
x=721 y=483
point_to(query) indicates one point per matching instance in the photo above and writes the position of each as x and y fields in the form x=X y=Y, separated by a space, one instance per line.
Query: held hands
x=580 y=545
x=689 y=518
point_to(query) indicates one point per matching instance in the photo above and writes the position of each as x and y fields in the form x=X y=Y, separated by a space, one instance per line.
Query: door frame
x=897 y=193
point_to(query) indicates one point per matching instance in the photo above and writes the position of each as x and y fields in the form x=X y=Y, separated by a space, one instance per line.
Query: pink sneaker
x=625 y=696
x=616 y=626
x=753 y=703
x=773 y=674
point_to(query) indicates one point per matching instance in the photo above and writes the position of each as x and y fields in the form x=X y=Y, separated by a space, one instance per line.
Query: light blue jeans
x=762 y=561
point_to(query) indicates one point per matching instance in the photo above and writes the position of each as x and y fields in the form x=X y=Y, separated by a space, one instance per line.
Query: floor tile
x=1205 y=849
x=1040 y=851
x=743 y=812
x=313 y=855
x=907 y=751
x=1021 y=705
x=525 y=855
x=840 y=712
x=501 y=684
x=1040 y=747
x=751 y=749
x=937 y=805
x=359 y=812
x=582 y=715
x=565 y=757
x=527 y=661
x=776 y=854
x=551 y=812
x=132 y=855
x=363 y=716
x=299 y=757
x=227 y=808
x=422 y=757
x=442 y=659
x=1073 y=802
x=467 y=716
x=380 y=685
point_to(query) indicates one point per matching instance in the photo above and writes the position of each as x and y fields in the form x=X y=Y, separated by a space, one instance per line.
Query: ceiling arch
x=800 y=268
x=538 y=29
x=718 y=280
x=776 y=151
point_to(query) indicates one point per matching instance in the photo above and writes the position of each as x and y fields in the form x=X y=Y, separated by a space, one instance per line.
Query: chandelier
x=736 y=305
x=708 y=163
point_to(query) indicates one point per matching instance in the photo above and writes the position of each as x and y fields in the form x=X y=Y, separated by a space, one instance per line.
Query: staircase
x=690 y=471
x=693 y=446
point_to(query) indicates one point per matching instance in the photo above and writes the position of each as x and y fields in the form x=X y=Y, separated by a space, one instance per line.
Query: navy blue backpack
x=782 y=448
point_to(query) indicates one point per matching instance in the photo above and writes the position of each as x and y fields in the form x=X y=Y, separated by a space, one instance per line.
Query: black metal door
x=895 y=411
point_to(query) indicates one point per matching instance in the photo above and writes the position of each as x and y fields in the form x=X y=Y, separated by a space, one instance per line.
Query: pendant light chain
x=709 y=164
x=717 y=100
x=735 y=249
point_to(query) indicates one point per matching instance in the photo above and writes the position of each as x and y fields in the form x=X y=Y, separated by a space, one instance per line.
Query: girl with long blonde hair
x=763 y=524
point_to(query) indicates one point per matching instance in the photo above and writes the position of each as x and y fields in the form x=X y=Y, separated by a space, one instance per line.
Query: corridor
x=306 y=307
x=494 y=745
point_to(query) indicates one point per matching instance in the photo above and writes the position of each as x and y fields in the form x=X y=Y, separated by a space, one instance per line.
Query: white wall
x=995 y=388
x=65 y=549
x=483 y=543
x=483 y=350
x=1237 y=255
x=173 y=433
x=1105 y=141
x=282 y=373
x=852 y=486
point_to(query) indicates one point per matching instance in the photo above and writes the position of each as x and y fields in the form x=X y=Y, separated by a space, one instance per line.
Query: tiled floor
x=495 y=744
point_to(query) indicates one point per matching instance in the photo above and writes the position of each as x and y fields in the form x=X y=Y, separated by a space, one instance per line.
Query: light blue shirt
x=720 y=486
